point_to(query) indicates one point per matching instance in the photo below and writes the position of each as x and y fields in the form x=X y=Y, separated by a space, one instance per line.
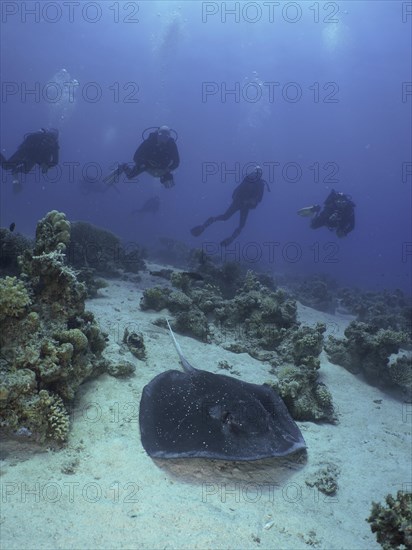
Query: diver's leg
x=198 y=230
x=318 y=221
x=132 y=172
x=243 y=217
x=228 y=214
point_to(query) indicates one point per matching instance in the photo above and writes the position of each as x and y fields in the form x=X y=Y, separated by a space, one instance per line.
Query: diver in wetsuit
x=245 y=197
x=40 y=148
x=338 y=214
x=157 y=154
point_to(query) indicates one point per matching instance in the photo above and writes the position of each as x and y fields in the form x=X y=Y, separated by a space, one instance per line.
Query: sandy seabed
x=103 y=491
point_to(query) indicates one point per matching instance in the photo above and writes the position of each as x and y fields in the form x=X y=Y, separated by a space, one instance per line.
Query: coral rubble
x=325 y=478
x=135 y=343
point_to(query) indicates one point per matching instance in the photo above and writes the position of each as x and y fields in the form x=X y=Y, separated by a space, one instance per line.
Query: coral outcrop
x=12 y=245
x=386 y=309
x=14 y=298
x=52 y=233
x=172 y=252
x=94 y=248
x=49 y=343
x=317 y=291
x=297 y=375
x=255 y=320
x=393 y=523
x=367 y=349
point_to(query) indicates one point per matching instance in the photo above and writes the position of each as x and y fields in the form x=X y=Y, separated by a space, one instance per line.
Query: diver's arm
x=243 y=217
x=319 y=220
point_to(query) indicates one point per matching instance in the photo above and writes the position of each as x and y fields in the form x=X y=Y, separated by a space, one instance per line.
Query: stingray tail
x=185 y=364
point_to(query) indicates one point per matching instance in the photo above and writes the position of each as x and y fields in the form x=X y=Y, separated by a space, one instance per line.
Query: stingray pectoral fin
x=185 y=363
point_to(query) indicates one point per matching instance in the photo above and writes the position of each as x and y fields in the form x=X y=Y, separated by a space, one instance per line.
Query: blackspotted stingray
x=198 y=414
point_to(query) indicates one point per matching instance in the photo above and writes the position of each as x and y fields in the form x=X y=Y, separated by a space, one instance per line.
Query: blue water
x=318 y=92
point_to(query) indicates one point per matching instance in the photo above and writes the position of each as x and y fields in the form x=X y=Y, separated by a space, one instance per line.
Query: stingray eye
x=231 y=422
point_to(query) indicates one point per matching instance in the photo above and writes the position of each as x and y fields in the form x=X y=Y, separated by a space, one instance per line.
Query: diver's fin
x=308 y=210
x=198 y=230
x=114 y=176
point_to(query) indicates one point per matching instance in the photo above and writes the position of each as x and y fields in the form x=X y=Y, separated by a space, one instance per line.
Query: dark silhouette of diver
x=338 y=214
x=40 y=148
x=245 y=197
x=151 y=205
x=157 y=154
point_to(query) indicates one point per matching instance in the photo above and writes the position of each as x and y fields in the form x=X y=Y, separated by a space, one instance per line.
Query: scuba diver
x=338 y=214
x=157 y=155
x=245 y=197
x=40 y=148
x=151 y=205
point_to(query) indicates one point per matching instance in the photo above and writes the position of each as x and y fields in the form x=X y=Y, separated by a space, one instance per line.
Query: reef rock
x=49 y=343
